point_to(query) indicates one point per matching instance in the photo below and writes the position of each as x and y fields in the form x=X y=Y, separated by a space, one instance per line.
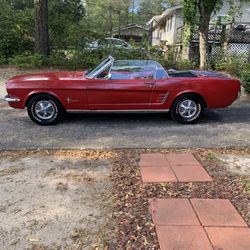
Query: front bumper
x=9 y=99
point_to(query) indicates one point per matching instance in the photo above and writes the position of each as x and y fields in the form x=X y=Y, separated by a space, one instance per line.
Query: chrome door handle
x=150 y=83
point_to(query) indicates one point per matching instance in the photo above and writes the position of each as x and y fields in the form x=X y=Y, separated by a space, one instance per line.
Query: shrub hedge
x=245 y=79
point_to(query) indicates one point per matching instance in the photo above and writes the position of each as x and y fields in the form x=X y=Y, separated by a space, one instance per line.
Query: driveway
x=228 y=127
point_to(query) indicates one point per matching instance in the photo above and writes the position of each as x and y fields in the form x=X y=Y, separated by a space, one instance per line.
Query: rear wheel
x=187 y=109
x=44 y=110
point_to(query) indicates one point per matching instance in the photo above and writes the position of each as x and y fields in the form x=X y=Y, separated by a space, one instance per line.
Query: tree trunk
x=224 y=40
x=206 y=7
x=110 y=18
x=41 y=27
x=133 y=11
x=119 y=24
x=203 y=34
x=203 y=49
x=186 y=41
x=185 y=55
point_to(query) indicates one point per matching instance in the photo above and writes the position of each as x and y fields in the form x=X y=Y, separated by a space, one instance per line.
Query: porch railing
x=219 y=33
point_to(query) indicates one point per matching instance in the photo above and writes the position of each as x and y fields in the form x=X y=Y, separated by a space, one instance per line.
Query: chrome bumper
x=10 y=99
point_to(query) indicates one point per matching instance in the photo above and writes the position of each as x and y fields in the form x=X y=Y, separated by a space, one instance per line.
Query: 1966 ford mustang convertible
x=123 y=86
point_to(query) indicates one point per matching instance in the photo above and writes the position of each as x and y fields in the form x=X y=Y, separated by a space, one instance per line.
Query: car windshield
x=127 y=69
x=133 y=69
x=160 y=72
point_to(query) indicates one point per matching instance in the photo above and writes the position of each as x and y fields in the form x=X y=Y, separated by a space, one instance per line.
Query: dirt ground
x=53 y=201
x=236 y=164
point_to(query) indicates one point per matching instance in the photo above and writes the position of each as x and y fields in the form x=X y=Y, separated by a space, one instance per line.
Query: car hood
x=47 y=76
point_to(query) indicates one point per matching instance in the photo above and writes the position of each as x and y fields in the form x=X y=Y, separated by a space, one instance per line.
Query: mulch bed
x=134 y=228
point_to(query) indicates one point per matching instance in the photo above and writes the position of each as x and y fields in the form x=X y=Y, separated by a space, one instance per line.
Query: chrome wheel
x=44 y=109
x=187 y=108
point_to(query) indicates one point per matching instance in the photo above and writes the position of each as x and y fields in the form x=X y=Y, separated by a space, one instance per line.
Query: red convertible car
x=123 y=86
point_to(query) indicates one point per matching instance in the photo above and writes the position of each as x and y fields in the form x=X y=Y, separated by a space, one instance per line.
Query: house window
x=170 y=22
x=163 y=24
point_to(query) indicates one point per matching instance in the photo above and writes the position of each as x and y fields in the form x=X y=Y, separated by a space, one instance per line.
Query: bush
x=186 y=64
x=14 y=36
x=245 y=79
x=178 y=64
x=3 y=59
x=232 y=64
x=73 y=59
x=27 y=60
x=57 y=58
x=76 y=58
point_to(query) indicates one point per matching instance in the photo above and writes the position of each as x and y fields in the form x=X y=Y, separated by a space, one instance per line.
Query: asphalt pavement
x=228 y=127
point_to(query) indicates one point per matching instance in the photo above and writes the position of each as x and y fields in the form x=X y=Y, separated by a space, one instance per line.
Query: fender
x=42 y=91
x=172 y=98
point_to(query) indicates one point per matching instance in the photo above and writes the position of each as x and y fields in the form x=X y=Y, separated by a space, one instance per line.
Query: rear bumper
x=9 y=99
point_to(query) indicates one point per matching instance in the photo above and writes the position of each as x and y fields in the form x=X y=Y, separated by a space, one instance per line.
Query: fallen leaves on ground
x=134 y=226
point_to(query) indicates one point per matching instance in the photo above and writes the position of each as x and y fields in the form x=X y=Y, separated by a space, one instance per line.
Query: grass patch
x=245 y=182
x=10 y=171
x=82 y=177
x=211 y=156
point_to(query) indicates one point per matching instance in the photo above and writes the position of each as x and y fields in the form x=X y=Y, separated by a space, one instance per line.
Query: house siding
x=169 y=37
x=245 y=10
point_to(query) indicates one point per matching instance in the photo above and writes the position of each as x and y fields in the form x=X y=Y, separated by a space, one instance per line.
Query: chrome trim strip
x=119 y=104
x=162 y=98
x=110 y=61
x=118 y=111
x=9 y=99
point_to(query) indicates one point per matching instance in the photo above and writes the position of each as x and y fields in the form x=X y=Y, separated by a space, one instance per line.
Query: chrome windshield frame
x=97 y=71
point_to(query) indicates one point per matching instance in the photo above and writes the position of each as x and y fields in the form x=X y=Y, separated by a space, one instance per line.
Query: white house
x=166 y=28
x=242 y=10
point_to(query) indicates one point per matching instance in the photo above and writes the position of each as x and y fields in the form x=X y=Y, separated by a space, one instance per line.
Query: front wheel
x=44 y=110
x=187 y=109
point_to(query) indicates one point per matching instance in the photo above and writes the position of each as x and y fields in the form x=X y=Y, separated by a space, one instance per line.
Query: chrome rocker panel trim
x=119 y=111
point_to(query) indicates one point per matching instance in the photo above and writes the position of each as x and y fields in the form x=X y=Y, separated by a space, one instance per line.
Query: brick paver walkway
x=199 y=224
x=195 y=224
x=172 y=168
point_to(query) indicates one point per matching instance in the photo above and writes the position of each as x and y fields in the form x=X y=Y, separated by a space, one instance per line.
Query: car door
x=119 y=94
x=128 y=88
x=161 y=90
